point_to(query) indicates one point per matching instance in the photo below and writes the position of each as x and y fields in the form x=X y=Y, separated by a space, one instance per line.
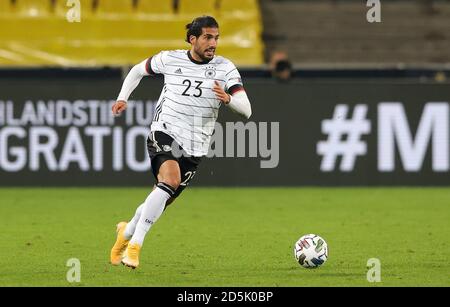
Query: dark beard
x=201 y=56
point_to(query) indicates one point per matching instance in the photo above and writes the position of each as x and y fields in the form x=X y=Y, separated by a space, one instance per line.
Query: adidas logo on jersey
x=178 y=71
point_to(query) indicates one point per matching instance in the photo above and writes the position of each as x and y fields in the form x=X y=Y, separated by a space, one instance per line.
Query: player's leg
x=160 y=175
x=168 y=181
x=188 y=168
x=167 y=172
x=131 y=225
x=124 y=232
x=153 y=207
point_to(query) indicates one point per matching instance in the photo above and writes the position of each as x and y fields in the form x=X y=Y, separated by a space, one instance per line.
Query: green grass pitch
x=228 y=237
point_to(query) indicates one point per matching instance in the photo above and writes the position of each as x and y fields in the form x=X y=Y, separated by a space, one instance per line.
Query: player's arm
x=236 y=99
x=129 y=84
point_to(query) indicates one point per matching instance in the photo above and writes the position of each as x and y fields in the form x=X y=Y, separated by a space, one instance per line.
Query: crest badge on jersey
x=210 y=72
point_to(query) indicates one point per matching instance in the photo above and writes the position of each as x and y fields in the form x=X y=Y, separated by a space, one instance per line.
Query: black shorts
x=159 y=146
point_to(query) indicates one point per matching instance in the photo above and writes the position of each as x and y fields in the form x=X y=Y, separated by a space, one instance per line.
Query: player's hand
x=119 y=107
x=221 y=94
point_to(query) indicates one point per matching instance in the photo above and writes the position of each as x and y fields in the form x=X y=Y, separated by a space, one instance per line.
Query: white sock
x=152 y=209
x=131 y=226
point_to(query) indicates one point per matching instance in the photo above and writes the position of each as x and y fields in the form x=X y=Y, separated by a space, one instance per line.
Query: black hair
x=196 y=26
x=283 y=65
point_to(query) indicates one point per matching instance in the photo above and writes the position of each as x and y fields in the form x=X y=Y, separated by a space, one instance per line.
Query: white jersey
x=187 y=108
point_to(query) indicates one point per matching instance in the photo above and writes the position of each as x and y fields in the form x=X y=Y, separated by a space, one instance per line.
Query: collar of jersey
x=194 y=60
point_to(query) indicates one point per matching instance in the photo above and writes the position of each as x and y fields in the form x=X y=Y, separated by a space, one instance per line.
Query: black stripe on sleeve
x=235 y=88
x=148 y=67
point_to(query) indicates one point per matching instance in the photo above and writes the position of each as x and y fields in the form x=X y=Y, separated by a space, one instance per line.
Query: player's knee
x=173 y=181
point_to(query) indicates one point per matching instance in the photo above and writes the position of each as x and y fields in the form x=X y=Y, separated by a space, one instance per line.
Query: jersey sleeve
x=233 y=79
x=156 y=64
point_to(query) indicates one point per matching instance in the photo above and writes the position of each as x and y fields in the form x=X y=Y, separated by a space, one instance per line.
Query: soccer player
x=196 y=84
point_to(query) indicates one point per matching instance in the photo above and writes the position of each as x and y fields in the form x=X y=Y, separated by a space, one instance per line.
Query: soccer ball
x=311 y=251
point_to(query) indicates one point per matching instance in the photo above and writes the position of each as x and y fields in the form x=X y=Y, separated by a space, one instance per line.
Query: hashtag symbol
x=338 y=144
